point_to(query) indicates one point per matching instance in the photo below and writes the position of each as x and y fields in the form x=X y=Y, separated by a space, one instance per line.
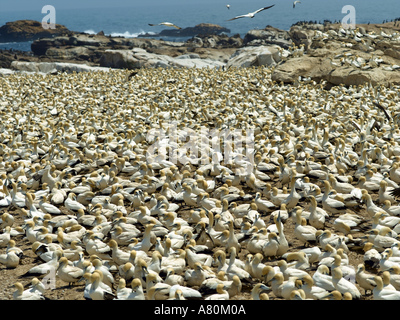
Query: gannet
x=251 y=14
x=20 y=294
x=221 y=294
x=168 y=24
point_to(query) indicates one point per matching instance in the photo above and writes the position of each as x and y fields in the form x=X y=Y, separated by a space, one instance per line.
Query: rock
x=301 y=36
x=339 y=58
x=123 y=59
x=268 y=36
x=200 y=29
x=304 y=66
x=96 y=43
x=28 y=30
x=348 y=77
x=319 y=69
x=216 y=41
x=74 y=53
x=255 y=56
x=140 y=58
x=50 y=67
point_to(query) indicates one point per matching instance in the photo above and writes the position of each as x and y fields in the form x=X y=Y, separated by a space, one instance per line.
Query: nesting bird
x=105 y=198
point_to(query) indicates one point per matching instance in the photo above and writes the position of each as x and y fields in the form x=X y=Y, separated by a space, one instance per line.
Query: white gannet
x=221 y=294
x=97 y=291
x=311 y=290
x=251 y=14
x=21 y=294
x=168 y=24
x=295 y=2
x=364 y=279
x=68 y=273
x=380 y=293
x=323 y=279
x=343 y=285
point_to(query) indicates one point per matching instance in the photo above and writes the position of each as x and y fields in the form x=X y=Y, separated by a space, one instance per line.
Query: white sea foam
x=125 y=34
x=90 y=31
x=128 y=34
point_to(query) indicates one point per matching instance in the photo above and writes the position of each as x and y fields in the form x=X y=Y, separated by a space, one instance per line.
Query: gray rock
x=189 y=56
x=51 y=67
x=139 y=58
x=301 y=36
x=255 y=56
x=69 y=53
x=267 y=36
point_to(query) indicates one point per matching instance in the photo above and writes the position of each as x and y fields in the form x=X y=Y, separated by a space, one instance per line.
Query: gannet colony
x=197 y=183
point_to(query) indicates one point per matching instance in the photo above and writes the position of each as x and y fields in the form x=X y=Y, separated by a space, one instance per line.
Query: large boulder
x=52 y=67
x=94 y=43
x=267 y=36
x=376 y=76
x=305 y=67
x=28 y=30
x=320 y=69
x=216 y=41
x=140 y=58
x=200 y=29
x=255 y=56
x=301 y=36
x=72 y=53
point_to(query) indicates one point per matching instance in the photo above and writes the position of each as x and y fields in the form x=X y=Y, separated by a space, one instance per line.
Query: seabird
x=251 y=14
x=168 y=24
x=294 y=3
x=228 y=6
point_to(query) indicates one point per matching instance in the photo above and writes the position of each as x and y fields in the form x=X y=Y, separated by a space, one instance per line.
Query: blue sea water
x=132 y=19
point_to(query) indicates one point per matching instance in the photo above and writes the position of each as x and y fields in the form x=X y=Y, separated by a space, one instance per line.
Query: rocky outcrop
x=81 y=46
x=53 y=67
x=268 y=36
x=319 y=52
x=28 y=30
x=342 y=58
x=139 y=58
x=305 y=67
x=215 y=41
x=200 y=29
x=255 y=56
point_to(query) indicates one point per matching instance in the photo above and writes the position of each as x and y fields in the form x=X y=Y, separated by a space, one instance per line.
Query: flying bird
x=228 y=6
x=294 y=3
x=251 y=14
x=168 y=24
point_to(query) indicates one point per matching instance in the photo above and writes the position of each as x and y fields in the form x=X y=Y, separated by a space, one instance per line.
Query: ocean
x=132 y=19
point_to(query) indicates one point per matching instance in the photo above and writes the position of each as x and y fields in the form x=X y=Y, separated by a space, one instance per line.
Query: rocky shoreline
x=307 y=51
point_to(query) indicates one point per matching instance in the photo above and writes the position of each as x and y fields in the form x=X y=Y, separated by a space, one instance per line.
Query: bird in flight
x=251 y=14
x=294 y=3
x=228 y=6
x=168 y=24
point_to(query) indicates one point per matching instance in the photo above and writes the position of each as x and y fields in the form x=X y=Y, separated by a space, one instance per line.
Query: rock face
x=28 y=30
x=200 y=29
x=255 y=56
x=93 y=45
x=339 y=57
x=268 y=36
x=215 y=41
x=140 y=58
x=52 y=67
